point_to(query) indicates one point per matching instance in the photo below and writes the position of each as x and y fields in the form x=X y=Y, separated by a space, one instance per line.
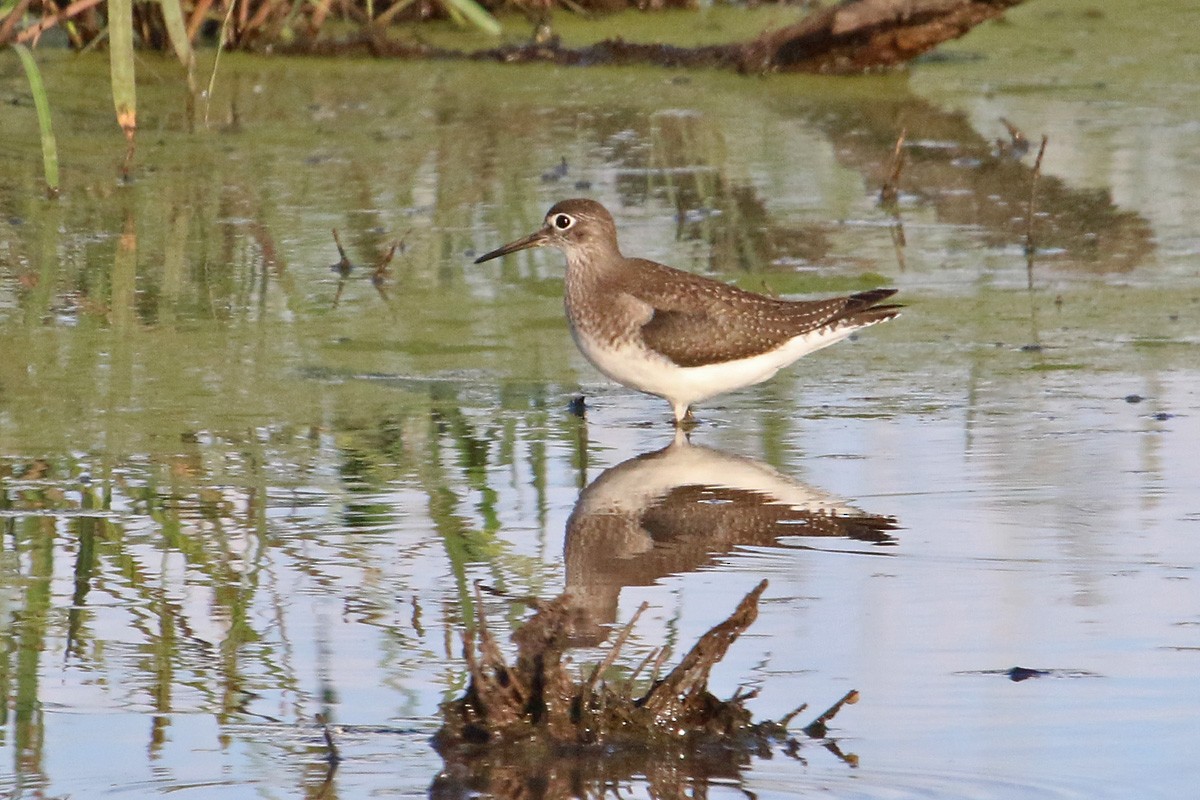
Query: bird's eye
x=563 y=221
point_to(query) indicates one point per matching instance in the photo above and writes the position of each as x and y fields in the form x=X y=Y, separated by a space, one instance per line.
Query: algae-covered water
x=241 y=489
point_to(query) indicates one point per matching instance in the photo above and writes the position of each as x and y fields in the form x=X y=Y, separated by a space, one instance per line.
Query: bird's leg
x=683 y=417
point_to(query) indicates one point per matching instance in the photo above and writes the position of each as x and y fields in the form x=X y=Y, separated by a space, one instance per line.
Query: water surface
x=240 y=491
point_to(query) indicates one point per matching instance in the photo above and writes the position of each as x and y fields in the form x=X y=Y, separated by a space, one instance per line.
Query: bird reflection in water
x=665 y=512
x=676 y=509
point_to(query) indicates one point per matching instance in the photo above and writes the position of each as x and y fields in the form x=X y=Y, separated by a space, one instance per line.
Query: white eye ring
x=562 y=221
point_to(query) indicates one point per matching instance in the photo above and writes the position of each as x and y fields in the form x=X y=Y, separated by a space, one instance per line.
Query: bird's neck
x=593 y=263
x=592 y=292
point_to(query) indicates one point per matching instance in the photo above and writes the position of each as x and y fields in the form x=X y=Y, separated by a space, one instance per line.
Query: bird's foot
x=687 y=423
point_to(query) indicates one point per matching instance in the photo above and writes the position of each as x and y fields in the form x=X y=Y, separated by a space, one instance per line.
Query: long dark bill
x=535 y=239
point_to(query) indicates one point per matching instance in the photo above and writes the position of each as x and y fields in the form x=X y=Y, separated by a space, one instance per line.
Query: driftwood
x=853 y=36
x=860 y=35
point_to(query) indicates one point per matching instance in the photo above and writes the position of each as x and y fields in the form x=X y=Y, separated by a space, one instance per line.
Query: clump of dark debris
x=534 y=723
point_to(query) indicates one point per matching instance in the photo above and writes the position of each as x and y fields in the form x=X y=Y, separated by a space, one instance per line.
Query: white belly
x=638 y=368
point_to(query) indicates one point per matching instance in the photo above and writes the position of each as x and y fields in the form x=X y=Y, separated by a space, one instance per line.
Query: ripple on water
x=887 y=784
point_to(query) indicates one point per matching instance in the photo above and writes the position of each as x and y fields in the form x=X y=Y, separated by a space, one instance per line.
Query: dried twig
x=655 y=654
x=586 y=692
x=15 y=15
x=33 y=32
x=343 y=267
x=494 y=670
x=1017 y=145
x=380 y=274
x=1031 y=210
x=1033 y=182
x=817 y=728
x=787 y=718
x=688 y=679
x=332 y=756
x=658 y=664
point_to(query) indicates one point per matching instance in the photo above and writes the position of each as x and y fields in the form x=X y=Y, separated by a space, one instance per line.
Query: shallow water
x=238 y=493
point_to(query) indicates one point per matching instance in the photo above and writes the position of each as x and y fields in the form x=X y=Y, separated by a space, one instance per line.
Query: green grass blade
x=476 y=14
x=172 y=13
x=120 y=55
x=212 y=79
x=38 y=89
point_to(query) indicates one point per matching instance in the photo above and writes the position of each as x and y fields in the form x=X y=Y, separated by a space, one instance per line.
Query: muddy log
x=860 y=35
x=853 y=36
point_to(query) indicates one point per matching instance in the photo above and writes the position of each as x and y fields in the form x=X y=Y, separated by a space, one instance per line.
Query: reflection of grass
x=183 y=541
x=1055 y=367
x=450 y=456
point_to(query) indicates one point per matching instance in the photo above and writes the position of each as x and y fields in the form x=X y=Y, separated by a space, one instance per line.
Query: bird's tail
x=863 y=309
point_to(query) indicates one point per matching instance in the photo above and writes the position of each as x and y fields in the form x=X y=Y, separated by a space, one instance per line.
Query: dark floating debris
x=1133 y=398
x=534 y=725
x=1016 y=146
x=380 y=272
x=556 y=174
x=1018 y=674
x=343 y=267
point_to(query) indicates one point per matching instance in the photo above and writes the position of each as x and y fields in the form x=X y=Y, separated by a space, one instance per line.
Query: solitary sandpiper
x=674 y=334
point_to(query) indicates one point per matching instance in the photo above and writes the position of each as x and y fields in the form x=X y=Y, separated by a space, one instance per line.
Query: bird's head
x=580 y=228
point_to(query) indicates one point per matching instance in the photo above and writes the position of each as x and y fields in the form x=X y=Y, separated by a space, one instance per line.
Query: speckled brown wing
x=715 y=519
x=699 y=321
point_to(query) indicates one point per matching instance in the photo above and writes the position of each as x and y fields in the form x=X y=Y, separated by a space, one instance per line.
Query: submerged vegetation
x=850 y=37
